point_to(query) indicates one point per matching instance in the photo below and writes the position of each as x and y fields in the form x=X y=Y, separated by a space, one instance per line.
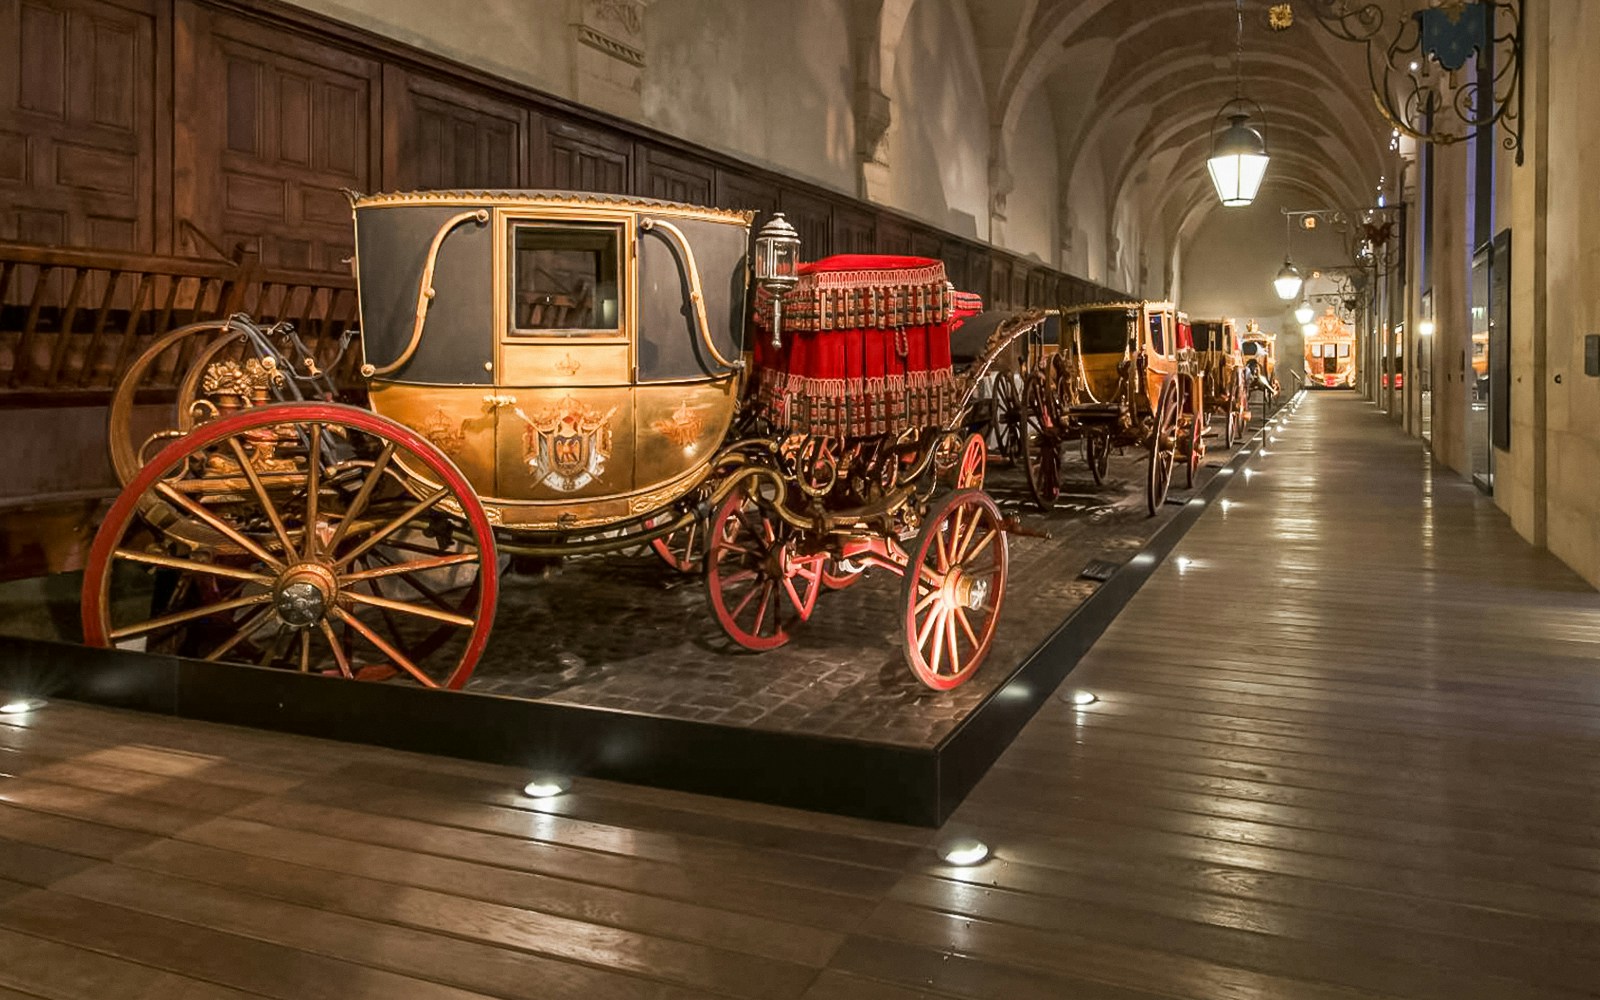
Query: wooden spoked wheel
x=760 y=589
x=682 y=549
x=1195 y=447
x=955 y=580
x=313 y=536
x=1230 y=431
x=1041 y=446
x=1097 y=455
x=1008 y=422
x=1162 y=447
x=974 y=463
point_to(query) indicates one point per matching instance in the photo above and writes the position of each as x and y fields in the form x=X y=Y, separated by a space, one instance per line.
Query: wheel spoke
x=313 y=484
x=748 y=597
x=966 y=626
x=960 y=554
x=305 y=651
x=250 y=625
x=977 y=549
x=928 y=625
x=267 y=505
x=334 y=644
x=937 y=656
x=402 y=607
x=180 y=617
x=191 y=566
x=196 y=510
x=410 y=514
x=415 y=566
x=768 y=590
x=955 y=650
x=394 y=655
x=364 y=495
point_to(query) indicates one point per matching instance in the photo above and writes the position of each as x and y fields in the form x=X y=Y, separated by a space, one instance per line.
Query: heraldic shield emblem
x=567 y=445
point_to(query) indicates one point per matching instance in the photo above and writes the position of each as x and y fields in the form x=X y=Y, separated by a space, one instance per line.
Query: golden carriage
x=1260 y=350
x=1219 y=352
x=1113 y=375
x=547 y=374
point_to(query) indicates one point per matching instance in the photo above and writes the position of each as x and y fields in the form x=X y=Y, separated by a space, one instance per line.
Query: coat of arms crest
x=566 y=445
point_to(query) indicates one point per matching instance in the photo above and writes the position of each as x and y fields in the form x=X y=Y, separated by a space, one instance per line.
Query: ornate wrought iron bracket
x=1440 y=74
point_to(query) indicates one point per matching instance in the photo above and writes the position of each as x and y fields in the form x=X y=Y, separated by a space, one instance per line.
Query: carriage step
x=1099 y=570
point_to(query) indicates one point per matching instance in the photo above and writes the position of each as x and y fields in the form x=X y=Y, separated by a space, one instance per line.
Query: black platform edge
x=853 y=778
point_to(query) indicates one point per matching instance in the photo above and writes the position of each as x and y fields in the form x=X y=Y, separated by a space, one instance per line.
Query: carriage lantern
x=777 y=256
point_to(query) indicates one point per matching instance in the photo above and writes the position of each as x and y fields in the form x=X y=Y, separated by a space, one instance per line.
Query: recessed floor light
x=1082 y=699
x=21 y=705
x=547 y=786
x=964 y=852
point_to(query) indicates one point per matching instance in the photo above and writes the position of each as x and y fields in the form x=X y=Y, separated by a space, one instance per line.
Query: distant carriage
x=1219 y=350
x=551 y=374
x=1110 y=375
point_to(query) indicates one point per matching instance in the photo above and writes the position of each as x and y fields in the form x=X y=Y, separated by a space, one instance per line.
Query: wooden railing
x=71 y=321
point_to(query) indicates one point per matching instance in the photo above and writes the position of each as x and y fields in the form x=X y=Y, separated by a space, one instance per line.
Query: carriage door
x=685 y=396
x=565 y=361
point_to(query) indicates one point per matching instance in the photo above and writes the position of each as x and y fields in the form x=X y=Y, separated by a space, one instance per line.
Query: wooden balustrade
x=71 y=321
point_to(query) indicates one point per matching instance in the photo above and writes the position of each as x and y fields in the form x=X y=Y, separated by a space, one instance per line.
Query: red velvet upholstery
x=866 y=347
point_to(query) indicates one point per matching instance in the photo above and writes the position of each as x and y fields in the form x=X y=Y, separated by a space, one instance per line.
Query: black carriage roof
x=537 y=197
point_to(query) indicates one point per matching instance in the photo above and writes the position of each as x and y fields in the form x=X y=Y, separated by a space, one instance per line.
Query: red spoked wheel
x=955 y=581
x=681 y=549
x=311 y=536
x=974 y=463
x=760 y=588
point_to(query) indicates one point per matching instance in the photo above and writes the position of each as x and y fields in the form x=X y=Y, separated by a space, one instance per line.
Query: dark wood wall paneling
x=275 y=112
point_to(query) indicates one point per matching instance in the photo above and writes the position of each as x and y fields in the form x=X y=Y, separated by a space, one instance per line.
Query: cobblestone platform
x=630 y=635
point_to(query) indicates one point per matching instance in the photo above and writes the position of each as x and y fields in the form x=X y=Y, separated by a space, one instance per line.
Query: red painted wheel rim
x=96 y=595
x=962 y=544
x=974 y=463
x=756 y=600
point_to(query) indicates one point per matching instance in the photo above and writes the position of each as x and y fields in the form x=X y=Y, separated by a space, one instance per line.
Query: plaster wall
x=939 y=137
x=714 y=74
x=1450 y=274
x=525 y=43
x=1032 y=207
x=1573 y=273
x=1521 y=204
x=1230 y=261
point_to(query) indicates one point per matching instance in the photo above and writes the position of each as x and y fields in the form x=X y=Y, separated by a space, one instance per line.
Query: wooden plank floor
x=1350 y=750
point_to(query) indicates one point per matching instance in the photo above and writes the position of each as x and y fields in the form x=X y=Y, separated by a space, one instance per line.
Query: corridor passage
x=1345 y=747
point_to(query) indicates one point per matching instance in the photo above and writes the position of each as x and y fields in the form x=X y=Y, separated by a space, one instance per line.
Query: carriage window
x=1102 y=332
x=564 y=279
x=1158 y=340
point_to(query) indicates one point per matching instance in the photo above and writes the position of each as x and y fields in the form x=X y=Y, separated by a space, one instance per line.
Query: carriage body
x=569 y=353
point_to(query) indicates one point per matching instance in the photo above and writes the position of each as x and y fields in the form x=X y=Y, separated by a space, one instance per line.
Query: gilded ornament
x=682 y=428
x=566 y=445
x=1280 y=16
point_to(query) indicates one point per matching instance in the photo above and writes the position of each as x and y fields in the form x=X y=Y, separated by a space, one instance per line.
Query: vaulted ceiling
x=1135 y=86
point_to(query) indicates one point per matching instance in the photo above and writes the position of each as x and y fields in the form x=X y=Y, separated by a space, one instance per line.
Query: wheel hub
x=303 y=594
x=965 y=591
